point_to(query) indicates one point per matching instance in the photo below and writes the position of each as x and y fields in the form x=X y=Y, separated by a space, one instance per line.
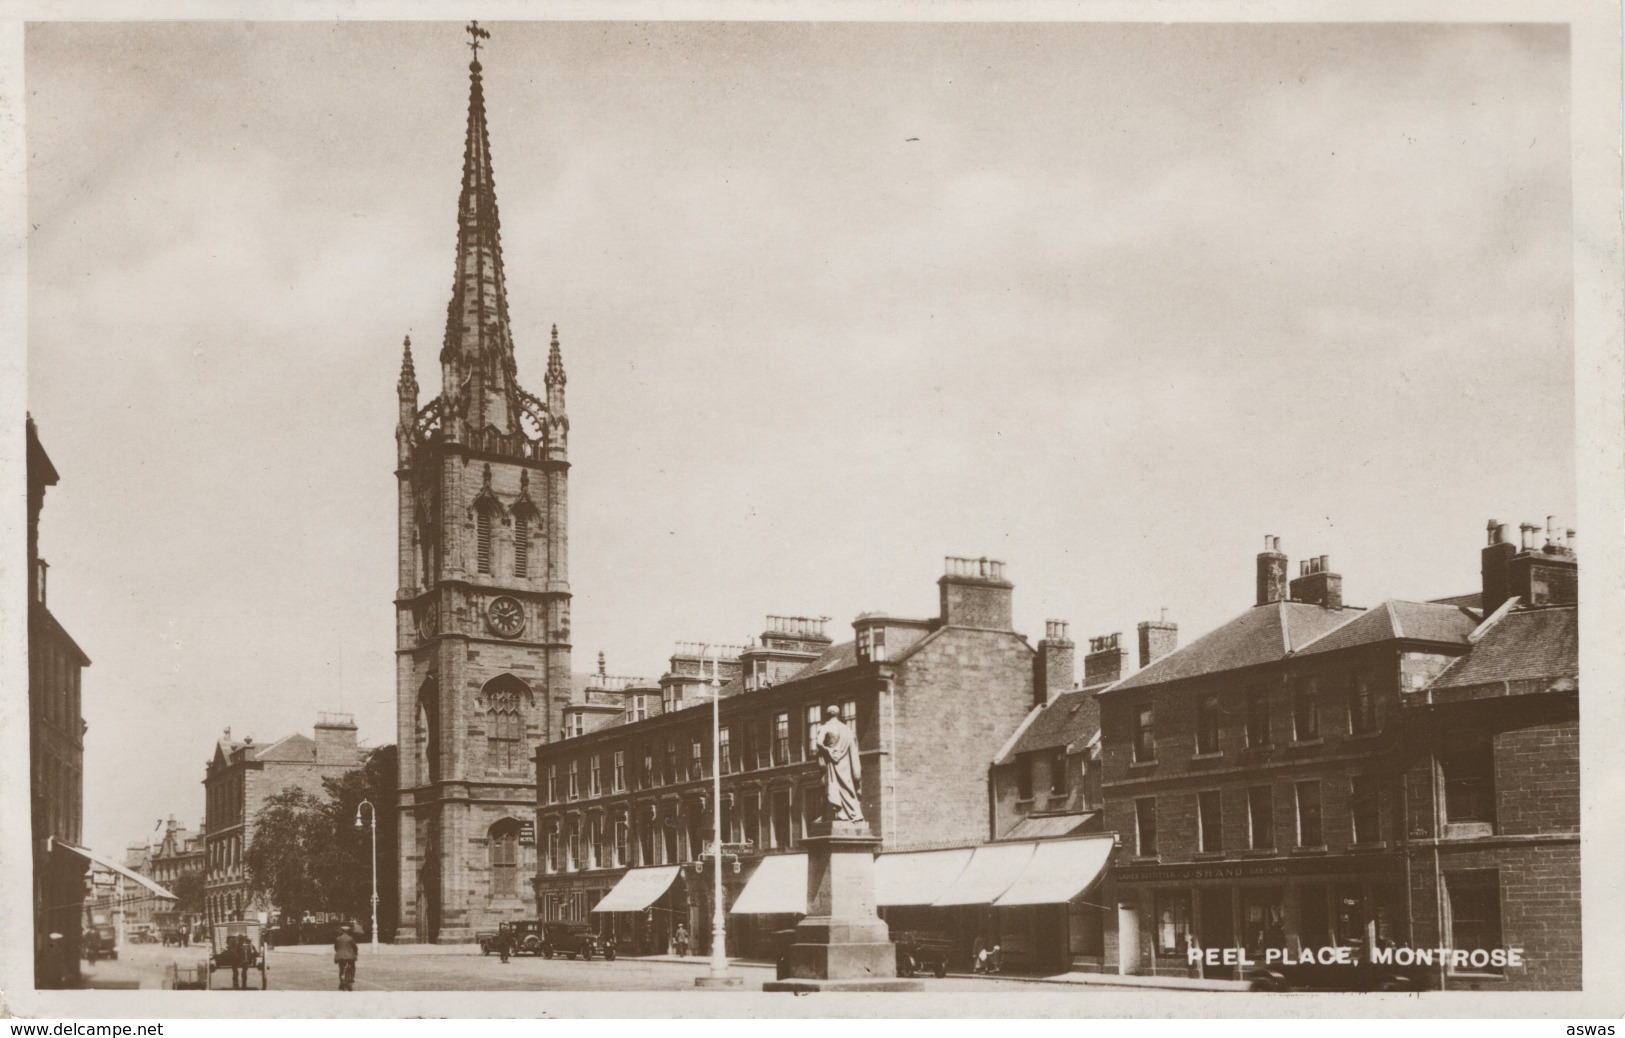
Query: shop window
x=1207 y=725
x=1260 y=818
x=1365 y=806
x=1145 y=738
x=1309 y=831
x=1474 y=904
x=1469 y=781
x=1352 y=915
x=1305 y=713
x=1173 y=912
x=1145 y=827
x=1258 y=717
x=1362 y=705
x=1314 y=921
x=1262 y=921
x=1209 y=821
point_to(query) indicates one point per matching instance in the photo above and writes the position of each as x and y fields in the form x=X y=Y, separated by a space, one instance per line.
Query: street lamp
x=373 y=817
x=719 y=977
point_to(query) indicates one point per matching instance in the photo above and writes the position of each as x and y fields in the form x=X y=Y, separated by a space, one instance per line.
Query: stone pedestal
x=842 y=945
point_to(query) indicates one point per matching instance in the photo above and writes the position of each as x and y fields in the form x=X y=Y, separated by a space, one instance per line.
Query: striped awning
x=1059 y=871
x=917 y=877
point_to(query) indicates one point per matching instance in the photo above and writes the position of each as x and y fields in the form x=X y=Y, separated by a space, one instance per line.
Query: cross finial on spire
x=475 y=35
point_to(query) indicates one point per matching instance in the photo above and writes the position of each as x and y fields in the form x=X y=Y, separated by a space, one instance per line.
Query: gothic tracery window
x=504 y=746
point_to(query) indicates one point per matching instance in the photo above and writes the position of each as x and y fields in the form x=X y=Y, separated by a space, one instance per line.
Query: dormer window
x=872 y=644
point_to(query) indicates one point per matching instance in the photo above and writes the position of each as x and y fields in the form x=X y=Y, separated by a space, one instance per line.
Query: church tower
x=483 y=607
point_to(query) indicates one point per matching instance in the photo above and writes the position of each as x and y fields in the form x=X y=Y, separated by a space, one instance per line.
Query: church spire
x=477 y=358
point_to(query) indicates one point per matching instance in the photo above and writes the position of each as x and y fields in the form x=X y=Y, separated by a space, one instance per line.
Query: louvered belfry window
x=482 y=540
x=521 y=546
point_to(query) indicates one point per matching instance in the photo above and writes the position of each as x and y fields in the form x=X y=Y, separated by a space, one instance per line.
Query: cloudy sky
x=1107 y=302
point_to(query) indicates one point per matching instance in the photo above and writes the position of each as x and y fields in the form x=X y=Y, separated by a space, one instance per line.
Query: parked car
x=919 y=951
x=1358 y=975
x=575 y=940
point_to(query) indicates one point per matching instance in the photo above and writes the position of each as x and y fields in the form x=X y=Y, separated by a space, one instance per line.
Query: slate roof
x=1471 y=601
x=836 y=657
x=1069 y=717
x=1422 y=621
x=1540 y=646
x=296 y=747
x=1263 y=634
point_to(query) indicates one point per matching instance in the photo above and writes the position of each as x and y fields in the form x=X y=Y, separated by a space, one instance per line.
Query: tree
x=188 y=891
x=349 y=887
x=291 y=851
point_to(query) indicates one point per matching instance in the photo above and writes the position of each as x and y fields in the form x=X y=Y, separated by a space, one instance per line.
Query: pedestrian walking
x=504 y=941
x=680 y=940
x=344 y=953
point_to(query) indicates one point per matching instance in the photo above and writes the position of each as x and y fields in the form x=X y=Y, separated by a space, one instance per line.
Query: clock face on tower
x=429 y=621
x=505 y=616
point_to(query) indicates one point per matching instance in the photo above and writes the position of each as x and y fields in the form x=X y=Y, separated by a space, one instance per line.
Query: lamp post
x=373 y=817
x=720 y=976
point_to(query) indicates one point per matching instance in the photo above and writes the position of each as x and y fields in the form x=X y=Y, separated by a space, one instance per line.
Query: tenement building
x=56 y=746
x=483 y=597
x=1254 y=776
x=1492 y=780
x=240 y=777
x=623 y=812
x=176 y=858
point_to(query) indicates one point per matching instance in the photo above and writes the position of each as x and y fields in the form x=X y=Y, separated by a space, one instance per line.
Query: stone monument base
x=842 y=945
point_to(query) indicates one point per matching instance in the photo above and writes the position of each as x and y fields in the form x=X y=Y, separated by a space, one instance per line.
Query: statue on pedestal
x=843 y=771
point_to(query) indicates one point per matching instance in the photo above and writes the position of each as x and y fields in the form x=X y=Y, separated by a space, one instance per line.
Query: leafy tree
x=291 y=852
x=188 y=891
x=349 y=887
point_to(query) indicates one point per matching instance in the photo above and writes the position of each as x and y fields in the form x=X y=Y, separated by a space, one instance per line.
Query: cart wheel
x=586 y=954
x=609 y=954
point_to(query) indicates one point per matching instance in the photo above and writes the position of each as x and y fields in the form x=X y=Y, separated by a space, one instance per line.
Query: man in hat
x=344 y=953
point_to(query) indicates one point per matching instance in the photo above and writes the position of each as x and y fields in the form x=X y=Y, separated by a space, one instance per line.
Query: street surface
x=458 y=969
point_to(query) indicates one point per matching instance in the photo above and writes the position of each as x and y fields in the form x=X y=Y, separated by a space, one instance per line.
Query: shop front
x=1251 y=907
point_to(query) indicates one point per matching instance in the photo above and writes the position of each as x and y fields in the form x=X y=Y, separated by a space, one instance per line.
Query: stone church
x=483 y=606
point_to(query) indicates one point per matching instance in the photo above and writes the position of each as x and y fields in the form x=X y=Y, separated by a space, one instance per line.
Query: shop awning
x=1059 y=872
x=108 y=863
x=638 y=889
x=992 y=870
x=917 y=877
x=777 y=887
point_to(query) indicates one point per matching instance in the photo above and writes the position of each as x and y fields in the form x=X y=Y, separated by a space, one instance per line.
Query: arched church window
x=504 y=745
x=503 y=843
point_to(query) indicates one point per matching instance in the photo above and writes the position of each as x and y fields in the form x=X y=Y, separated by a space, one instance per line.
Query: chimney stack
x=1055 y=667
x=1157 y=639
x=1271 y=571
x=1492 y=566
x=1104 y=663
x=1316 y=584
x=974 y=593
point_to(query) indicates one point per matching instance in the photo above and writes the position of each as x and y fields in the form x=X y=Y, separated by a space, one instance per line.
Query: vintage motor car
x=575 y=940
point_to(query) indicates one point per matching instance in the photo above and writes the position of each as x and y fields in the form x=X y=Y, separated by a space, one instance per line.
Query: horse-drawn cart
x=235 y=946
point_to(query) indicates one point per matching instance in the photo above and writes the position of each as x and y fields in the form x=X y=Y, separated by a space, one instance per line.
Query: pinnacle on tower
x=409 y=376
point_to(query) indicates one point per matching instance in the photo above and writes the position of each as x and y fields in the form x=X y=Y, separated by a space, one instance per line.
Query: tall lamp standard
x=720 y=976
x=373 y=817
